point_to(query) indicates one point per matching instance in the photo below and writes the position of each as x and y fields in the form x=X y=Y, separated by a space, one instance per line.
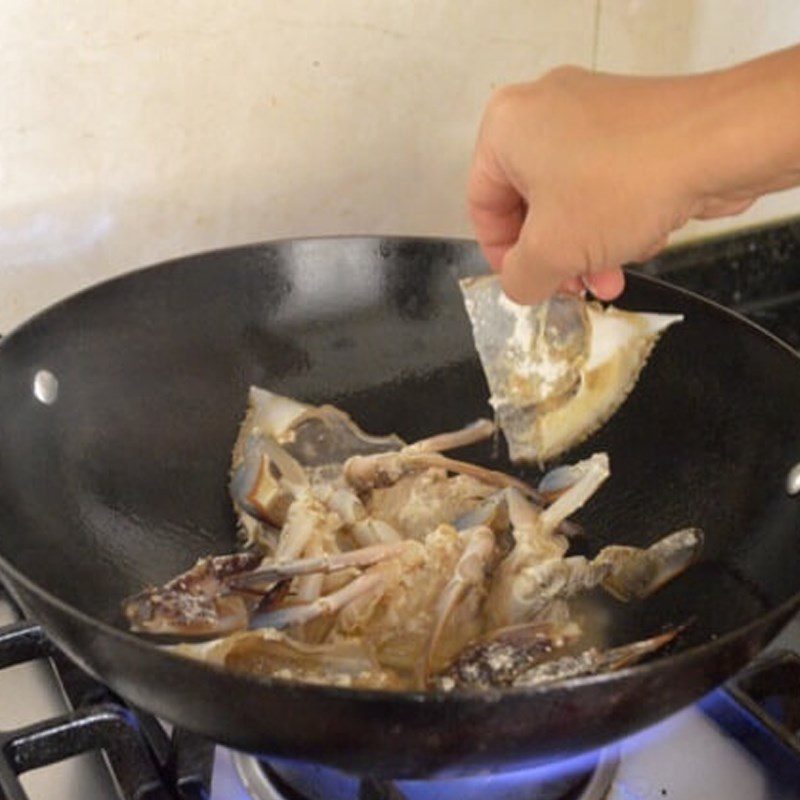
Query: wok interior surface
x=122 y=482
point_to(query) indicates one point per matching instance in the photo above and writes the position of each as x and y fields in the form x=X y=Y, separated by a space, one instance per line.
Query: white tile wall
x=133 y=131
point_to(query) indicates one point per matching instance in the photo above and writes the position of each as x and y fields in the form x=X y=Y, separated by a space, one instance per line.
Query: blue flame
x=315 y=781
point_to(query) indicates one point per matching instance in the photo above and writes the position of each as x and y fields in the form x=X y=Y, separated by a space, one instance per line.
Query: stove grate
x=145 y=762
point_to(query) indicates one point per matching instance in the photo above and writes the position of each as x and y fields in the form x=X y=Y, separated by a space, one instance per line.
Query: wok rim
x=433 y=697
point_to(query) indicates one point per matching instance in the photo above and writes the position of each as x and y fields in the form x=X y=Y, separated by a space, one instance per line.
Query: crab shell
x=557 y=371
x=305 y=438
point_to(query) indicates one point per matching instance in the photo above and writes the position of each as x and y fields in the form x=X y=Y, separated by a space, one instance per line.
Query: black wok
x=122 y=482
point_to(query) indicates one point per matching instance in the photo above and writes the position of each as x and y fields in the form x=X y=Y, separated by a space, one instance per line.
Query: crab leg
x=384 y=469
x=590 y=474
x=490 y=476
x=308 y=587
x=307 y=521
x=470 y=434
x=323 y=565
x=469 y=573
x=364 y=529
x=322 y=606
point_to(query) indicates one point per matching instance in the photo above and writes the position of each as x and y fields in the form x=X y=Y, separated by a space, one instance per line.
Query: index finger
x=497 y=210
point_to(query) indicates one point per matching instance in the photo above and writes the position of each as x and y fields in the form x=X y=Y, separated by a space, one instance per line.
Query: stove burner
x=292 y=781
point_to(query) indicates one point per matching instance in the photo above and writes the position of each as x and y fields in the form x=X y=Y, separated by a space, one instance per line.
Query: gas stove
x=64 y=733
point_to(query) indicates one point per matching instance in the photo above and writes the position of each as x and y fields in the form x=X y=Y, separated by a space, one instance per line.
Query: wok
x=121 y=482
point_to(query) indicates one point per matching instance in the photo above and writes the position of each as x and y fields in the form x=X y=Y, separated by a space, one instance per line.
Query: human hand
x=578 y=173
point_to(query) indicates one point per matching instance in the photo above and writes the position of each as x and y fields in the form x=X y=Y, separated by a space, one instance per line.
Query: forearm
x=748 y=139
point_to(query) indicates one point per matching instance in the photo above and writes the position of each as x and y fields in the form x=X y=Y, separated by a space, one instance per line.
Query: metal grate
x=145 y=762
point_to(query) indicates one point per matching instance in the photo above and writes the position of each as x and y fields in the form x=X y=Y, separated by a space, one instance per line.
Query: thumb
x=606 y=285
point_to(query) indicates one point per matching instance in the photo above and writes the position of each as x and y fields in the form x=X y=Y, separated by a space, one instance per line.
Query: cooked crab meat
x=360 y=528
x=380 y=561
x=413 y=489
x=557 y=371
x=408 y=608
x=415 y=609
x=420 y=501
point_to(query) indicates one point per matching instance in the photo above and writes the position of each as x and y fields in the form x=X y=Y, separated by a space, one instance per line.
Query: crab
x=385 y=564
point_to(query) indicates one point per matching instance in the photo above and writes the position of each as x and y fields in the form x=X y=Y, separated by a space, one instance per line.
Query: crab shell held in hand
x=557 y=371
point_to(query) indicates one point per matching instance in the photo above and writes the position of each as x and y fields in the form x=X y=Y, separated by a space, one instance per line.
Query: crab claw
x=594 y=661
x=496 y=660
x=636 y=573
x=197 y=602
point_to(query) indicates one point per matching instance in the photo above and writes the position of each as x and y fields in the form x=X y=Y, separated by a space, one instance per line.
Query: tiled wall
x=130 y=132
